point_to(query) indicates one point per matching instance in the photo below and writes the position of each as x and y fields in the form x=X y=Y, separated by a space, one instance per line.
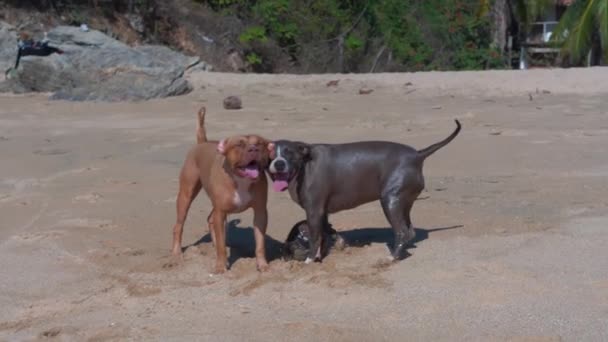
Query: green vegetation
x=583 y=27
x=341 y=34
x=587 y=22
x=366 y=35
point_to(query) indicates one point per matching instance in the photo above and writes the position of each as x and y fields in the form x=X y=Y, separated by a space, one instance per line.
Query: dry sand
x=512 y=243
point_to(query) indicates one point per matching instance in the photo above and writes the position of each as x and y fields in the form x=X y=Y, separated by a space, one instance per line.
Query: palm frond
x=568 y=22
x=602 y=20
x=527 y=11
x=578 y=42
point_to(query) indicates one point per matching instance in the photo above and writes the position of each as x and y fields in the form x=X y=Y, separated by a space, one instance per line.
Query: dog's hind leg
x=188 y=190
x=316 y=227
x=330 y=232
x=397 y=210
x=210 y=226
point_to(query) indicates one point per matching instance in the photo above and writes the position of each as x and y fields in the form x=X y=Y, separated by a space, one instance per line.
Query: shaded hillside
x=312 y=36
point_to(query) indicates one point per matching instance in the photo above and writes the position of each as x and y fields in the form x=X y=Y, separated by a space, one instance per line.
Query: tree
x=585 y=28
x=582 y=29
x=527 y=11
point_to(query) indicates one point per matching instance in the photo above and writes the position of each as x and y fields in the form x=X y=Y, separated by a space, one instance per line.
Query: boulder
x=97 y=67
x=8 y=47
x=232 y=102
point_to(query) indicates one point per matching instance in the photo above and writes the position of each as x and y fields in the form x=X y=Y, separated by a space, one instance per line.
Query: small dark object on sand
x=233 y=102
x=333 y=83
x=297 y=245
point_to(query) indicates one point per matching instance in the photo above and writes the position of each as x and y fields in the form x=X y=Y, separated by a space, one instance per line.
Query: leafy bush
x=420 y=34
x=254 y=34
x=353 y=43
x=254 y=59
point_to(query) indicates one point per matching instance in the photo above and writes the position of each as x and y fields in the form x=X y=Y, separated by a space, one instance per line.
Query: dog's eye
x=241 y=144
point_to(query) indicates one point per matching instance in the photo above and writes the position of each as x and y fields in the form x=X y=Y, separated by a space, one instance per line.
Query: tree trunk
x=378 y=55
x=500 y=16
x=341 y=54
x=596 y=49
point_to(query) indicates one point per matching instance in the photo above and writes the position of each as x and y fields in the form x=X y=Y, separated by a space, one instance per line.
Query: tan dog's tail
x=201 y=134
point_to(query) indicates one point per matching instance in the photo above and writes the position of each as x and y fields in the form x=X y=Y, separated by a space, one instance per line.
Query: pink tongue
x=279 y=185
x=252 y=173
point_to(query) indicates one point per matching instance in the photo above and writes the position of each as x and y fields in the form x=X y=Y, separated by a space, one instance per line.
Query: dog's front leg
x=316 y=221
x=260 y=222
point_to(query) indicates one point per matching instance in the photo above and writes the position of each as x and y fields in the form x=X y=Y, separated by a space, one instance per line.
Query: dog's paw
x=175 y=260
x=340 y=243
x=170 y=264
x=384 y=262
x=262 y=266
x=218 y=271
x=220 y=268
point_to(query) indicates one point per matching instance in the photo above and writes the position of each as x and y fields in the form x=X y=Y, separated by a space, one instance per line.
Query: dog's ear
x=304 y=149
x=227 y=144
x=272 y=150
x=221 y=147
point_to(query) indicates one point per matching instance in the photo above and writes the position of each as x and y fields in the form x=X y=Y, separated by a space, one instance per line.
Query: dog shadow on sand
x=241 y=240
x=361 y=237
x=241 y=243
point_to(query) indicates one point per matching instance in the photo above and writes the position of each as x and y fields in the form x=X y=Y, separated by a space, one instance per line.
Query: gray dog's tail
x=424 y=153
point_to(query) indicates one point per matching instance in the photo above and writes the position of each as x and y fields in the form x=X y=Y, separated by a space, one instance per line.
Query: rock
x=166 y=55
x=39 y=74
x=332 y=83
x=97 y=67
x=137 y=22
x=72 y=35
x=200 y=66
x=365 y=91
x=236 y=61
x=233 y=102
x=8 y=47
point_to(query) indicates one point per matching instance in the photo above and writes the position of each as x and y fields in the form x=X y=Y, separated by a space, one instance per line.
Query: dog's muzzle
x=279 y=172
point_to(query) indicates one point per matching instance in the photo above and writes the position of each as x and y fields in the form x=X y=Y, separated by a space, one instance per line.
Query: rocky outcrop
x=8 y=46
x=97 y=67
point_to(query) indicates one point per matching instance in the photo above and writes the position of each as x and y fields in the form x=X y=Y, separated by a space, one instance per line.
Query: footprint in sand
x=93 y=197
x=171 y=199
x=51 y=152
x=32 y=237
x=50 y=333
x=514 y=133
x=157 y=147
x=86 y=223
x=119 y=182
x=137 y=290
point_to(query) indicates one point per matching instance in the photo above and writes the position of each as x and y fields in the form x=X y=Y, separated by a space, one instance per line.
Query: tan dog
x=232 y=173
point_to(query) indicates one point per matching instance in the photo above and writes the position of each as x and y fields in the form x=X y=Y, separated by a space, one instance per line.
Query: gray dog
x=324 y=179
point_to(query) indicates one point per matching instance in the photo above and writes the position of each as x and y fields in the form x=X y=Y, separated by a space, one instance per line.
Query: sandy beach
x=511 y=238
